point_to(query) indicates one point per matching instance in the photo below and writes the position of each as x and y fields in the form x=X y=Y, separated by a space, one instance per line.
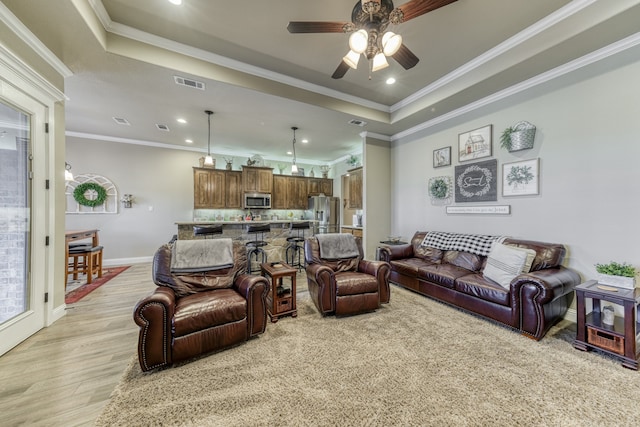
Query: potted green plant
x=505 y=138
x=616 y=274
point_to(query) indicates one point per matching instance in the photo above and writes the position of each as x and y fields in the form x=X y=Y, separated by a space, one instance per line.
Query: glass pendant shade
x=294 y=168
x=391 y=42
x=351 y=59
x=68 y=176
x=379 y=62
x=208 y=160
x=358 y=41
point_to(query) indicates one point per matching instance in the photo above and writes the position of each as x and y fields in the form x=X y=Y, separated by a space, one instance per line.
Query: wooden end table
x=281 y=300
x=619 y=339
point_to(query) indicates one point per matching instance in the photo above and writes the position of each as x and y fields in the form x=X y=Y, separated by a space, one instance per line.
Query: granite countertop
x=270 y=221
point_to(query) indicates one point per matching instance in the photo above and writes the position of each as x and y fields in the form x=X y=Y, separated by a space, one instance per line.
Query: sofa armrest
x=255 y=290
x=380 y=270
x=323 y=278
x=388 y=253
x=153 y=315
x=542 y=297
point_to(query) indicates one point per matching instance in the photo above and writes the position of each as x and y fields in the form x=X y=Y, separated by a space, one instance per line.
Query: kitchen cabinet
x=216 y=189
x=317 y=186
x=233 y=187
x=355 y=188
x=257 y=179
x=280 y=196
x=355 y=231
x=289 y=192
x=208 y=188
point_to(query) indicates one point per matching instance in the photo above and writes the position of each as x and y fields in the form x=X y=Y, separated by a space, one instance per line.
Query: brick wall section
x=13 y=231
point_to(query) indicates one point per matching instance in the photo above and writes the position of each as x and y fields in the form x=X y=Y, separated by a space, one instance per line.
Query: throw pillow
x=531 y=255
x=504 y=263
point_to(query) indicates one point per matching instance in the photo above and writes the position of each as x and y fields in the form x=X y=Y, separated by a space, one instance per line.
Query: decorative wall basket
x=522 y=137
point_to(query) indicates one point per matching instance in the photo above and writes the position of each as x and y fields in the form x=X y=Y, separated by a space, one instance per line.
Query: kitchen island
x=237 y=230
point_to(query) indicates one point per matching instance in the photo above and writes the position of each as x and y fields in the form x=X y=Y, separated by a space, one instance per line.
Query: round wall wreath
x=91 y=189
x=439 y=189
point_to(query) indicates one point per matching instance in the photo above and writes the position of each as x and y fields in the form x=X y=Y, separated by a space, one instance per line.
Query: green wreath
x=80 y=191
x=439 y=189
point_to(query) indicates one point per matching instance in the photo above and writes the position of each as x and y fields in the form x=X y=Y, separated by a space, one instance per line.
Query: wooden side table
x=621 y=338
x=282 y=298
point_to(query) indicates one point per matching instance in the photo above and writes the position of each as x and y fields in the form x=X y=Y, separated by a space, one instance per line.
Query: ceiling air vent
x=163 y=128
x=121 y=121
x=357 y=122
x=188 y=82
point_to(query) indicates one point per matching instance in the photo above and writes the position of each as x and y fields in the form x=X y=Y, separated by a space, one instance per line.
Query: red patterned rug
x=78 y=289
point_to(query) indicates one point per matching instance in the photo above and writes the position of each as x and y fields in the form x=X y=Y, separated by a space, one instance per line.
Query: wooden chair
x=85 y=259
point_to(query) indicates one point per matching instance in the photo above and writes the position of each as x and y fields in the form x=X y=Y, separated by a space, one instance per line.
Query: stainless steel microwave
x=257 y=201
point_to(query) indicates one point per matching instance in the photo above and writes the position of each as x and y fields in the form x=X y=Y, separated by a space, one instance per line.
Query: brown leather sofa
x=531 y=303
x=345 y=286
x=190 y=314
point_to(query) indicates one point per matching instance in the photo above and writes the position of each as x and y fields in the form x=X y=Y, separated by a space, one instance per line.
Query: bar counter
x=237 y=230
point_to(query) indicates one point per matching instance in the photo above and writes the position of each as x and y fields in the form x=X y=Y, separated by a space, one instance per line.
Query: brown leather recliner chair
x=348 y=285
x=190 y=314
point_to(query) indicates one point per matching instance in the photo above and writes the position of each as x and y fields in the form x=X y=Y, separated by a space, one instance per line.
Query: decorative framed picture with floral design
x=442 y=157
x=521 y=178
x=477 y=182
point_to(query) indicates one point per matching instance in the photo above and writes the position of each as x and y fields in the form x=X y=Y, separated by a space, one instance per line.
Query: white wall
x=588 y=142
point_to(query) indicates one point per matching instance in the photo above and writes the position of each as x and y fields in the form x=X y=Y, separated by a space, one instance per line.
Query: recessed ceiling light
x=289 y=153
x=189 y=141
x=182 y=121
x=176 y=2
x=391 y=81
x=304 y=141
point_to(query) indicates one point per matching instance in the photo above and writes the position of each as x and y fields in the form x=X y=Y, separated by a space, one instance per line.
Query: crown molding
x=598 y=55
x=14 y=24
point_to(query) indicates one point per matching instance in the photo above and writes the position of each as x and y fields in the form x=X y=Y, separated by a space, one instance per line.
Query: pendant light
x=68 y=176
x=208 y=160
x=294 y=167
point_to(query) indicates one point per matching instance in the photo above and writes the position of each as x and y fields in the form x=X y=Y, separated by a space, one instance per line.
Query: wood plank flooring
x=63 y=375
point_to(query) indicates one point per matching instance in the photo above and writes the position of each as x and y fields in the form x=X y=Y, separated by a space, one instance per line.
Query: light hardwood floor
x=63 y=375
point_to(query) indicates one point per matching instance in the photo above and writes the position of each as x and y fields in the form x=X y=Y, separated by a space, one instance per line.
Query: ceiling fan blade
x=316 y=27
x=415 y=8
x=340 y=71
x=405 y=57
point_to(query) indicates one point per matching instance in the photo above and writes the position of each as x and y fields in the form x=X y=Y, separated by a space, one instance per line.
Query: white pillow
x=504 y=263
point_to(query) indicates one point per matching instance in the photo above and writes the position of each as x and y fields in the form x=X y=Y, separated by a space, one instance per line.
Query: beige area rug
x=414 y=362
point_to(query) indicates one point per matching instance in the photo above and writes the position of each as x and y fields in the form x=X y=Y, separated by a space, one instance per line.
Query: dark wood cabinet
x=355 y=188
x=279 y=197
x=233 y=188
x=297 y=193
x=257 y=179
x=216 y=189
x=317 y=186
x=208 y=188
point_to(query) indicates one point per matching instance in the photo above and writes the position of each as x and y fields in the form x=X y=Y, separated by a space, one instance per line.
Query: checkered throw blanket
x=474 y=243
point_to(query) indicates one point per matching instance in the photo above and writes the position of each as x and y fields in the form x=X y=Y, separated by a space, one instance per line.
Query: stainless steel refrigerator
x=325 y=210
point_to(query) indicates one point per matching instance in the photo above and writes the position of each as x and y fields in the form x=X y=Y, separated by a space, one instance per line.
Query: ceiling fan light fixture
x=371 y=6
x=358 y=41
x=379 y=62
x=351 y=59
x=391 y=43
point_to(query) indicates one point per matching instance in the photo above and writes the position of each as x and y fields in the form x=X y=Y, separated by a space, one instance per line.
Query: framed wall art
x=477 y=182
x=521 y=178
x=475 y=144
x=442 y=157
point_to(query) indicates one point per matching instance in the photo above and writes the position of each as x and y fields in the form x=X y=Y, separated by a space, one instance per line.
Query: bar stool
x=295 y=246
x=207 y=231
x=254 y=247
x=84 y=259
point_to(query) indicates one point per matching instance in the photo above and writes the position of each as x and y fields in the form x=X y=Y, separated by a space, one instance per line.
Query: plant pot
x=617 y=281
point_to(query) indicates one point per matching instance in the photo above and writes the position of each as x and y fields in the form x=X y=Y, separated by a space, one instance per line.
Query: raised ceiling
x=260 y=80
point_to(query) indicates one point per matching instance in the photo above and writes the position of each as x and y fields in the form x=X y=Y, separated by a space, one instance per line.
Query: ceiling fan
x=369 y=21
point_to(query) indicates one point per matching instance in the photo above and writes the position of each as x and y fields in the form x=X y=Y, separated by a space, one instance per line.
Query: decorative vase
x=229 y=166
x=617 y=281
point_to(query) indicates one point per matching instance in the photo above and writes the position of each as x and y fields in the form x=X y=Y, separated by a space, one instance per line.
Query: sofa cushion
x=478 y=286
x=466 y=260
x=424 y=252
x=204 y=310
x=504 y=263
x=409 y=266
x=354 y=283
x=548 y=255
x=442 y=274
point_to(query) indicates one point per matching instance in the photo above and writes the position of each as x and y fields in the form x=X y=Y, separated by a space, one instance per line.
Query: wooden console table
x=619 y=339
x=281 y=300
